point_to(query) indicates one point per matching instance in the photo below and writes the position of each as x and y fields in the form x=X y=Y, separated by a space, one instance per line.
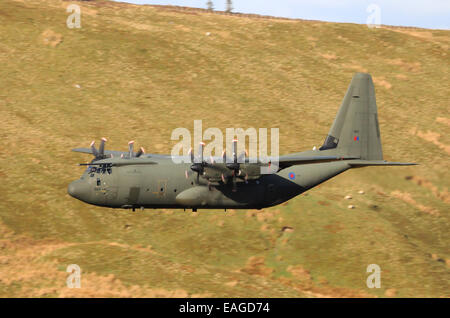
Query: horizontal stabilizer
x=290 y=160
x=364 y=163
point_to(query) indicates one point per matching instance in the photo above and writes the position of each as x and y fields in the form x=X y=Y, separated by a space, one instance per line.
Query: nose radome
x=71 y=189
x=76 y=189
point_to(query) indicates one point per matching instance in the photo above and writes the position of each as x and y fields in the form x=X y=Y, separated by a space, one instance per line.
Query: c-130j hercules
x=131 y=180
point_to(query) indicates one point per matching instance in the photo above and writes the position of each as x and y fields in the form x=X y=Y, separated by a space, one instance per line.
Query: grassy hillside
x=138 y=72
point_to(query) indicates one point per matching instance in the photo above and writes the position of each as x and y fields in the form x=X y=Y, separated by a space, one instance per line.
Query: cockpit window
x=90 y=170
x=101 y=170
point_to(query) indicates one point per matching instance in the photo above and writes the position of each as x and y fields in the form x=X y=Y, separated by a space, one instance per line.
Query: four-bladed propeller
x=100 y=153
x=235 y=165
x=131 y=153
x=198 y=165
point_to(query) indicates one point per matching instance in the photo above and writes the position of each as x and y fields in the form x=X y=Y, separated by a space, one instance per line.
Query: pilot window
x=99 y=170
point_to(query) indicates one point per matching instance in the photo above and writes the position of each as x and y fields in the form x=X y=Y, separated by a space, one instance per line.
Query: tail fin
x=355 y=132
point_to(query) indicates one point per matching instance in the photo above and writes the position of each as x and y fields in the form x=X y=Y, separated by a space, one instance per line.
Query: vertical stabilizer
x=355 y=131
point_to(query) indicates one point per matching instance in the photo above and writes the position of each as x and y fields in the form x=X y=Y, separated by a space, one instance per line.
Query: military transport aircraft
x=131 y=180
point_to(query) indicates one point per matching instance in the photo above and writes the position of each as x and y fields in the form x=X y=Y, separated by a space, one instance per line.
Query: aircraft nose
x=76 y=189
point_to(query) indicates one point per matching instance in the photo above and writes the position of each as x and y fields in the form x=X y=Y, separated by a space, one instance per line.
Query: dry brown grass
x=299 y=272
x=355 y=67
x=442 y=195
x=94 y=285
x=424 y=35
x=443 y=120
x=256 y=266
x=391 y=292
x=22 y=263
x=380 y=81
x=51 y=38
x=328 y=56
x=401 y=76
x=433 y=137
x=406 y=197
x=406 y=66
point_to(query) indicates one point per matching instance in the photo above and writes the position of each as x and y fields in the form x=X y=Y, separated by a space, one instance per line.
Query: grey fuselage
x=164 y=185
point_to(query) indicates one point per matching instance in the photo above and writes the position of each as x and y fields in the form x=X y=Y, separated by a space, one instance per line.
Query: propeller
x=131 y=153
x=197 y=164
x=200 y=151
x=100 y=153
x=191 y=155
x=130 y=149
x=94 y=150
x=102 y=146
x=235 y=165
x=140 y=152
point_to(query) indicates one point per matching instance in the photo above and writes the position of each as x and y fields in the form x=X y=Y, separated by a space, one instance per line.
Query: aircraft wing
x=117 y=153
x=121 y=163
x=107 y=152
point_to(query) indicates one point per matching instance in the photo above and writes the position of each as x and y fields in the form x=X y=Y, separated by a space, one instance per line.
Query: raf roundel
x=291 y=175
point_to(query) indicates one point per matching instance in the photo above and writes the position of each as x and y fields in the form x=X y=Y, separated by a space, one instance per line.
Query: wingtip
x=403 y=163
